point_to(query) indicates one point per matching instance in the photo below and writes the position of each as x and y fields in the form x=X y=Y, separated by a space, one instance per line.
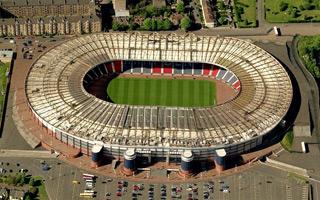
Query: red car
x=135 y=187
x=119 y=194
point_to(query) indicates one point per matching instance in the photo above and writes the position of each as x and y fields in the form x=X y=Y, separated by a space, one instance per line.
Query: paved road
x=260 y=13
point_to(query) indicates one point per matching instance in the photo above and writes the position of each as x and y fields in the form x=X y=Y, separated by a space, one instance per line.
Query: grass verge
x=287 y=141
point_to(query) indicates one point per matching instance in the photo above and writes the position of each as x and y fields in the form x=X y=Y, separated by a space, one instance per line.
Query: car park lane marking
x=74 y=185
x=58 y=181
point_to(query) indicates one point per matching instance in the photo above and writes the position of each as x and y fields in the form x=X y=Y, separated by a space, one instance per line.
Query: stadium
x=159 y=96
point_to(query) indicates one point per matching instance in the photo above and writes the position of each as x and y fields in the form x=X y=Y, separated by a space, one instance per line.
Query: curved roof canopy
x=56 y=95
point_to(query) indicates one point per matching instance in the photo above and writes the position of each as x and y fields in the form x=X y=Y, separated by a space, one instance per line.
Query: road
x=26 y=153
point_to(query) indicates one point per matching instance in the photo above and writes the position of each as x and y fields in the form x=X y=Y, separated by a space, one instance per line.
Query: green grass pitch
x=162 y=92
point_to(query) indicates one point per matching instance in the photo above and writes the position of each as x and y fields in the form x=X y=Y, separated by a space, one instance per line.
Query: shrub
x=180 y=7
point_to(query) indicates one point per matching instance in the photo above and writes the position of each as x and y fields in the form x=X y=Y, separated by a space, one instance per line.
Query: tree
x=293 y=12
x=221 y=5
x=133 y=26
x=308 y=6
x=115 y=26
x=166 y=14
x=27 y=197
x=185 y=23
x=147 y=24
x=151 y=10
x=245 y=22
x=167 y=25
x=154 y=25
x=222 y=20
x=23 y=180
x=180 y=7
x=159 y=24
x=31 y=182
x=283 y=6
x=33 y=191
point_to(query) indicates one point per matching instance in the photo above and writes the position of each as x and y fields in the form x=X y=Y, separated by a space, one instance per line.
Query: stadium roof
x=56 y=94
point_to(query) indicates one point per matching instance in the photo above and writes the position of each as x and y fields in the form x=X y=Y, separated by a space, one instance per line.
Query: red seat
x=117 y=66
x=109 y=67
x=206 y=69
x=215 y=71
x=167 y=69
x=156 y=69
x=236 y=85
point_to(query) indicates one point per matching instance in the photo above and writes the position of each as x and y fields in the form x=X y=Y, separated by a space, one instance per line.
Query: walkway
x=26 y=153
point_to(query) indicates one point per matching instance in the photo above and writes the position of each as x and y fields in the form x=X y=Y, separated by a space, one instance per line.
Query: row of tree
x=150 y=24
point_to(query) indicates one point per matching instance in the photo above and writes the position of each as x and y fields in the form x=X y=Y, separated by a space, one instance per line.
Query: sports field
x=162 y=92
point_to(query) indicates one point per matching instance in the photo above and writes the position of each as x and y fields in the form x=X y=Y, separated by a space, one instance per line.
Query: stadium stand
x=78 y=118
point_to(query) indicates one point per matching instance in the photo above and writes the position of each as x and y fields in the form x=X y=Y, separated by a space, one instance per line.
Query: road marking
x=58 y=181
x=74 y=185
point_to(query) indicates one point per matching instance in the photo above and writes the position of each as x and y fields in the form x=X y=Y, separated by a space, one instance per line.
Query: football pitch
x=162 y=92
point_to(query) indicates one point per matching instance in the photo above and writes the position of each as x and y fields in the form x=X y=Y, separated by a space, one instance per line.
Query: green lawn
x=162 y=92
x=273 y=13
x=248 y=18
x=42 y=194
x=4 y=67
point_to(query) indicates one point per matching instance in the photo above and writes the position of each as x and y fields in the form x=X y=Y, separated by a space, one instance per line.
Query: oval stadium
x=159 y=95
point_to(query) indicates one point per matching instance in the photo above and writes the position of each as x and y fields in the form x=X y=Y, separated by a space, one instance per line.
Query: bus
x=87 y=195
x=89 y=191
x=88 y=176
